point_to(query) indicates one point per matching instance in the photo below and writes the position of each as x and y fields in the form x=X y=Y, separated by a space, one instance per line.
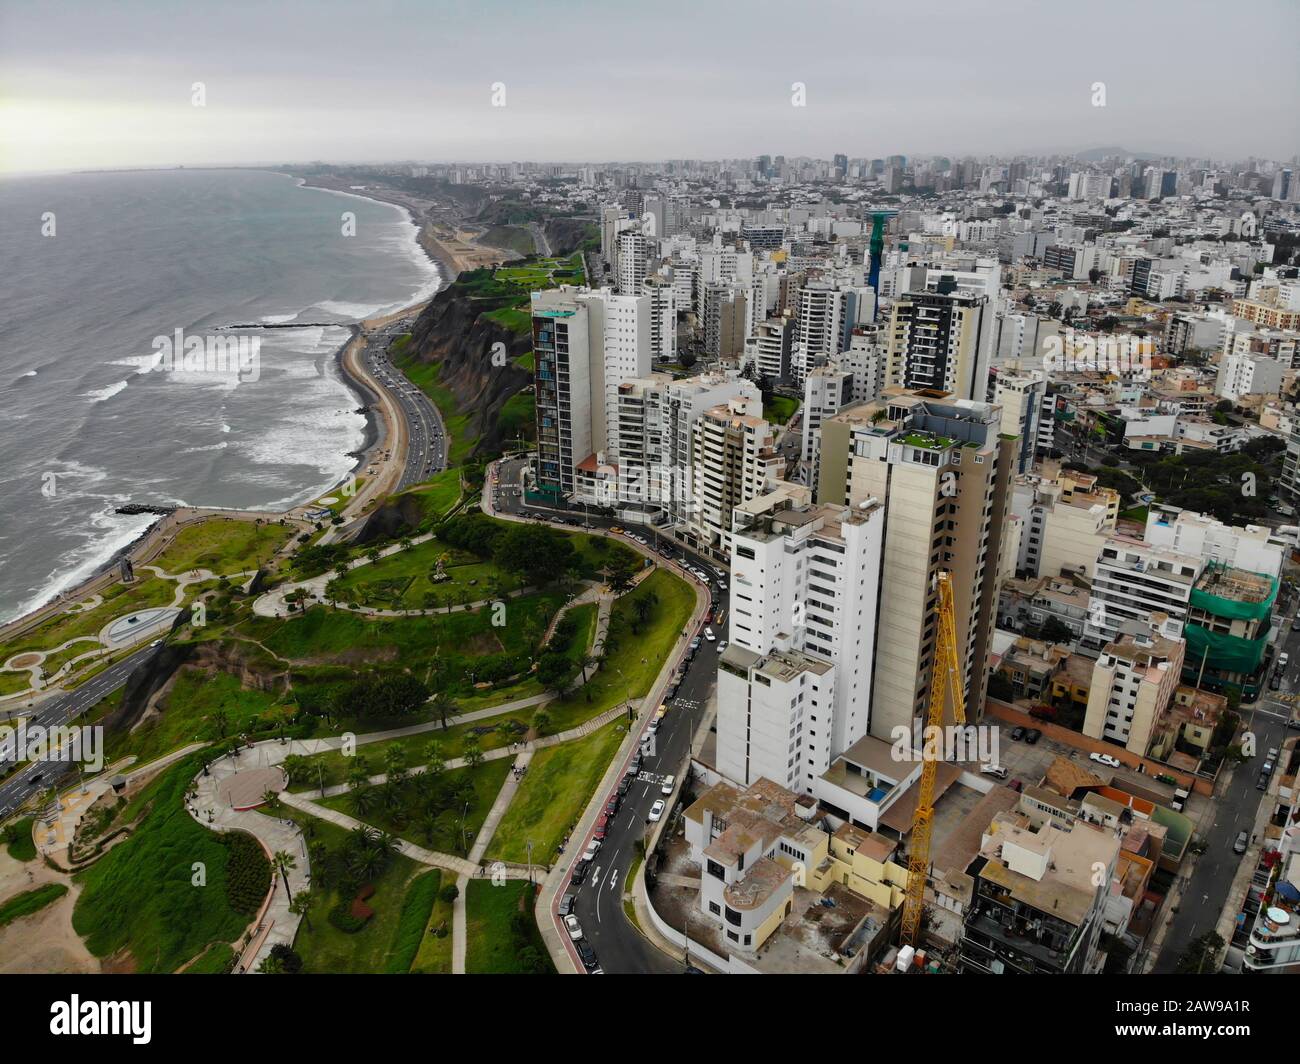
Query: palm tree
x=300 y=905
x=395 y=763
x=296 y=768
x=541 y=721
x=284 y=861
x=473 y=753
x=434 y=761
x=271 y=798
x=366 y=863
x=587 y=661
x=363 y=800
x=443 y=707
x=358 y=774
x=221 y=719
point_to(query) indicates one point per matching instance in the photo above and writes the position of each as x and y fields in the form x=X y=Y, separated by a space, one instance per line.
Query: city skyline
x=114 y=89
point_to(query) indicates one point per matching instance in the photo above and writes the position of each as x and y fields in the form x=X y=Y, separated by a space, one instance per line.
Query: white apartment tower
x=794 y=686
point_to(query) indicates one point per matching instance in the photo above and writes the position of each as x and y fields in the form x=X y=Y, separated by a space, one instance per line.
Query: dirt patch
x=482 y=644
x=43 y=943
x=24 y=660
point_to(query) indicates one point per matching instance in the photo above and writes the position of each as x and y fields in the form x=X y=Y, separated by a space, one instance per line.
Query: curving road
x=61 y=710
x=426 y=452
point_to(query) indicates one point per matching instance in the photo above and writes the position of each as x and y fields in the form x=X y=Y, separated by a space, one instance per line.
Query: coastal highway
x=61 y=710
x=426 y=453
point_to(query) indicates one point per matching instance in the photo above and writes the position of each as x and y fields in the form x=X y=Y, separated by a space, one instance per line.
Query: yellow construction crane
x=944 y=676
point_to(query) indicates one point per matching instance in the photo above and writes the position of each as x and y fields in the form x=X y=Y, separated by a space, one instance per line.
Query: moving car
x=656 y=810
x=667 y=787
x=573 y=927
x=1104 y=759
x=708 y=634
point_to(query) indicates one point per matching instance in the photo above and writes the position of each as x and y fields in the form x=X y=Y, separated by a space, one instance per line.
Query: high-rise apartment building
x=794 y=686
x=733 y=459
x=940 y=340
x=942 y=472
x=585 y=343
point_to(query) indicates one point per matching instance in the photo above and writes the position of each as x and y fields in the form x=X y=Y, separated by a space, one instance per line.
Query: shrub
x=342 y=919
x=248 y=873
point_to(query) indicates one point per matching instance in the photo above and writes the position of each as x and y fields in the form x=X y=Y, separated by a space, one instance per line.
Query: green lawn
x=556 y=788
x=13 y=682
x=434 y=955
x=401 y=815
x=141 y=895
x=324 y=948
x=635 y=653
x=30 y=901
x=501 y=934
x=402 y=580
x=333 y=766
x=778 y=409
x=215 y=960
x=225 y=546
x=413 y=921
x=19 y=843
x=119 y=599
x=324 y=635
x=439 y=493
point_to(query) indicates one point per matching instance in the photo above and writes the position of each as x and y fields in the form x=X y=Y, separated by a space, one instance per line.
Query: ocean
x=104 y=402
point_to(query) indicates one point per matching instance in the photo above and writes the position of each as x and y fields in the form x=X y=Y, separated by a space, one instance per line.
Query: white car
x=667 y=787
x=656 y=811
x=1104 y=759
x=708 y=634
x=591 y=849
x=572 y=926
x=722 y=646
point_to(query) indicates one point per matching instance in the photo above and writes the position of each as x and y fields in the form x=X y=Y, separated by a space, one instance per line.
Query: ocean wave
x=104 y=394
x=278 y=319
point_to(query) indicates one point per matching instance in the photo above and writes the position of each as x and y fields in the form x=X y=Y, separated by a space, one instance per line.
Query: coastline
x=369 y=452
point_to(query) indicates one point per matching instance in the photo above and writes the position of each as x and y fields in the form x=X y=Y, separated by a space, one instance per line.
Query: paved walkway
x=275 y=924
x=577 y=732
x=459 y=923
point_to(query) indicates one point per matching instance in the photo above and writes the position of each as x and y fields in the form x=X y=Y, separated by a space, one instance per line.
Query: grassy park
x=501 y=933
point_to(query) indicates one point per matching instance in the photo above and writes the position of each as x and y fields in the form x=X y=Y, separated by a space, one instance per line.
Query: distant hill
x=1093 y=155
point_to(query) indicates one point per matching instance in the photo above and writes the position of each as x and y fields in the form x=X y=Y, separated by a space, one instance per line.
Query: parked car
x=625 y=784
x=1032 y=736
x=667 y=787
x=993 y=770
x=1017 y=733
x=656 y=810
x=1275 y=682
x=635 y=766
x=1239 y=845
x=722 y=645
x=566 y=903
x=593 y=847
x=573 y=927
x=1104 y=759
x=611 y=806
x=579 y=872
x=1015 y=785
x=1261 y=784
x=708 y=634
x=602 y=828
x=587 y=954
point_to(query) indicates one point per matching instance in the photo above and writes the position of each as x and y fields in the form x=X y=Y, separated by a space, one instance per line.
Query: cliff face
x=453 y=332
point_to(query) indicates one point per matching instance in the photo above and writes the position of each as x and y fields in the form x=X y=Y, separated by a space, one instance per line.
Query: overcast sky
x=100 y=84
